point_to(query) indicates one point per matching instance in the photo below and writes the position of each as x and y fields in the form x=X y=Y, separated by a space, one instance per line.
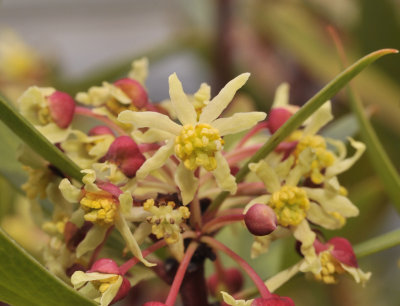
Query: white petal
x=131 y=243
x=306 y=236
x=111 y=292
x=92 y=239
x=282 y=277
x=184 y=109
x=319 y=216
x=318 y=119
x=238 y=122
x=225 y=180
x=267 y=175
x=53 y=133
x=140 y=70
x=344 y=165
x=117 y=93
x=281 y=98
x=125 y=202
x=358 y=275
x=216 y=106
x=142 y=231
x=186 y=182
x=151 y=135
x=151 y=120
x=303 y=166
x=157 y=160
x=71 y=193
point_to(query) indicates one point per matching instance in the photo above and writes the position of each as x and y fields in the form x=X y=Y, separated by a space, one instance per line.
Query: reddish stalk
x=232 y=211
x=242 y=153
x=173 y=292
x=221 y=221
x=79 y=110
x=251 y=133
x=262 y=288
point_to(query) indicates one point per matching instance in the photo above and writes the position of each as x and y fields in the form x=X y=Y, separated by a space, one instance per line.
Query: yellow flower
x=198 y=141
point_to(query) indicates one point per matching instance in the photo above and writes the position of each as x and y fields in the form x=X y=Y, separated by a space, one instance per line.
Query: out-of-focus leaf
x=32 y=137
x=377 y=244
x=23 y=281
x=303 y=113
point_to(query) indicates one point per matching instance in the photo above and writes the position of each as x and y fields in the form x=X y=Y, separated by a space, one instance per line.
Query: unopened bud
x=277 y=117
x=274 y=300
x=62 y=108
x=154 y=304
x=123 y=290
x=134 y=90
x=231 y=281
x=125 y=153
x=260 y=220
x=100 y=130
x=105 y=265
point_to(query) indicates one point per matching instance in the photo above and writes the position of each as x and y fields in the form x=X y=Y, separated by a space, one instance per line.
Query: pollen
x=196 y=146
x=290 y=204
x=99 y=208
x=166 y=220
x=116 y=107
x=330 y=267
x=323 y=157
x=103 y=284
x=44 y=115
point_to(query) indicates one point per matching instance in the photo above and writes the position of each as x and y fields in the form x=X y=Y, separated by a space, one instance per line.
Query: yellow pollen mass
x=330 y=267
x=290 y=205
x=323 y=157
x=99 y=208
x=103 y=284
x=44 y=115
x=196 y=146
x=166 y=220
x=116 y=107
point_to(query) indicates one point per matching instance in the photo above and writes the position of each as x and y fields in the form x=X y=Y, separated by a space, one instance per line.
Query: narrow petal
x=157 y=160
x=117 y=93
x=332 y=202
x=358 y=275
x=92 y=239
x=111 y=292
x=306 y=236
x=151 y=135
x=282 y=277
x=131 y=243
x=317 y=215
x=216 y=106
x=142 y=232
x=125 y=202
x=186 y=182
x=225 y=180
x=267 y=175
x=281 y=98
x=150 y=120
x=79 y=278
x=53 y=132
x=71 y=193
x=140 y=70
x=344 y=165
x=238 y=122
x=303 y=166
x=184 y=109
x=317 y=120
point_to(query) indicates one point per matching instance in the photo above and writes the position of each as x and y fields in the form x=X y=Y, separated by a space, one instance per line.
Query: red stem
x=173 y=292
x=88 y=113
x=218 y=222
x=262 y=288
x=251 y=133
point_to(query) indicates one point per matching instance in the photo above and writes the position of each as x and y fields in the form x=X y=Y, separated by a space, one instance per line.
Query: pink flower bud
x=274 y=300
x=100 y=130
x=343 y=251
x=105 y=265
x=260 y=220
x=123 y=290
x=62 y=108
x=231 y=282
x=125 y=153
x=154 y=304
x=134 y=90
x=277 y=117
x=110 y=188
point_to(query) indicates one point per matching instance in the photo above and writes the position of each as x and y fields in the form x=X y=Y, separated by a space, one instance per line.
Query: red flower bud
x=134 y=90
x=277 y=117
x=154 y=304
x=343 y=251
x=105 y=265
x=125 y=153
x=232 y=282
x=260 y=220
x=62 y=108
x=274 y=300
x=110 y=188
x=123 y=290
x=100 y=130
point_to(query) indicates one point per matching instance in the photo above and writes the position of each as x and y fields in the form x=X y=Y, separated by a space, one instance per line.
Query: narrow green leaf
x=27 y=132
x=377 y=154
x=23 y=281
x=378 y=244
x=303 y=113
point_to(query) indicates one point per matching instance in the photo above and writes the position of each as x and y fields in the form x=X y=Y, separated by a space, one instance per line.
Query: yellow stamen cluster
x=103 y=284
x=166 y=220
x=55 y=227
x=116 y=107
x=323 y=157
x=37 y=183
x=290 y=204
x=44 y=115
x=99 y=208
x=196 y=146
x=330 y=267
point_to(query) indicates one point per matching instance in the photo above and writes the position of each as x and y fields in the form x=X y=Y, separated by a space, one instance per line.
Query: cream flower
x=198 y=141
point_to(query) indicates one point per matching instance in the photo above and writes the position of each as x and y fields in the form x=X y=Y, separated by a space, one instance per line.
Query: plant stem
x=378 y=244
x=262 y=288
x=221 y=221
x=170 y=301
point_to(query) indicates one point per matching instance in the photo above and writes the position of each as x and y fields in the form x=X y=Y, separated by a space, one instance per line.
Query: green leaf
x=27 y=132
x=379 y=159
x=24 y=281
x=303 y=113
x=378 y=244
